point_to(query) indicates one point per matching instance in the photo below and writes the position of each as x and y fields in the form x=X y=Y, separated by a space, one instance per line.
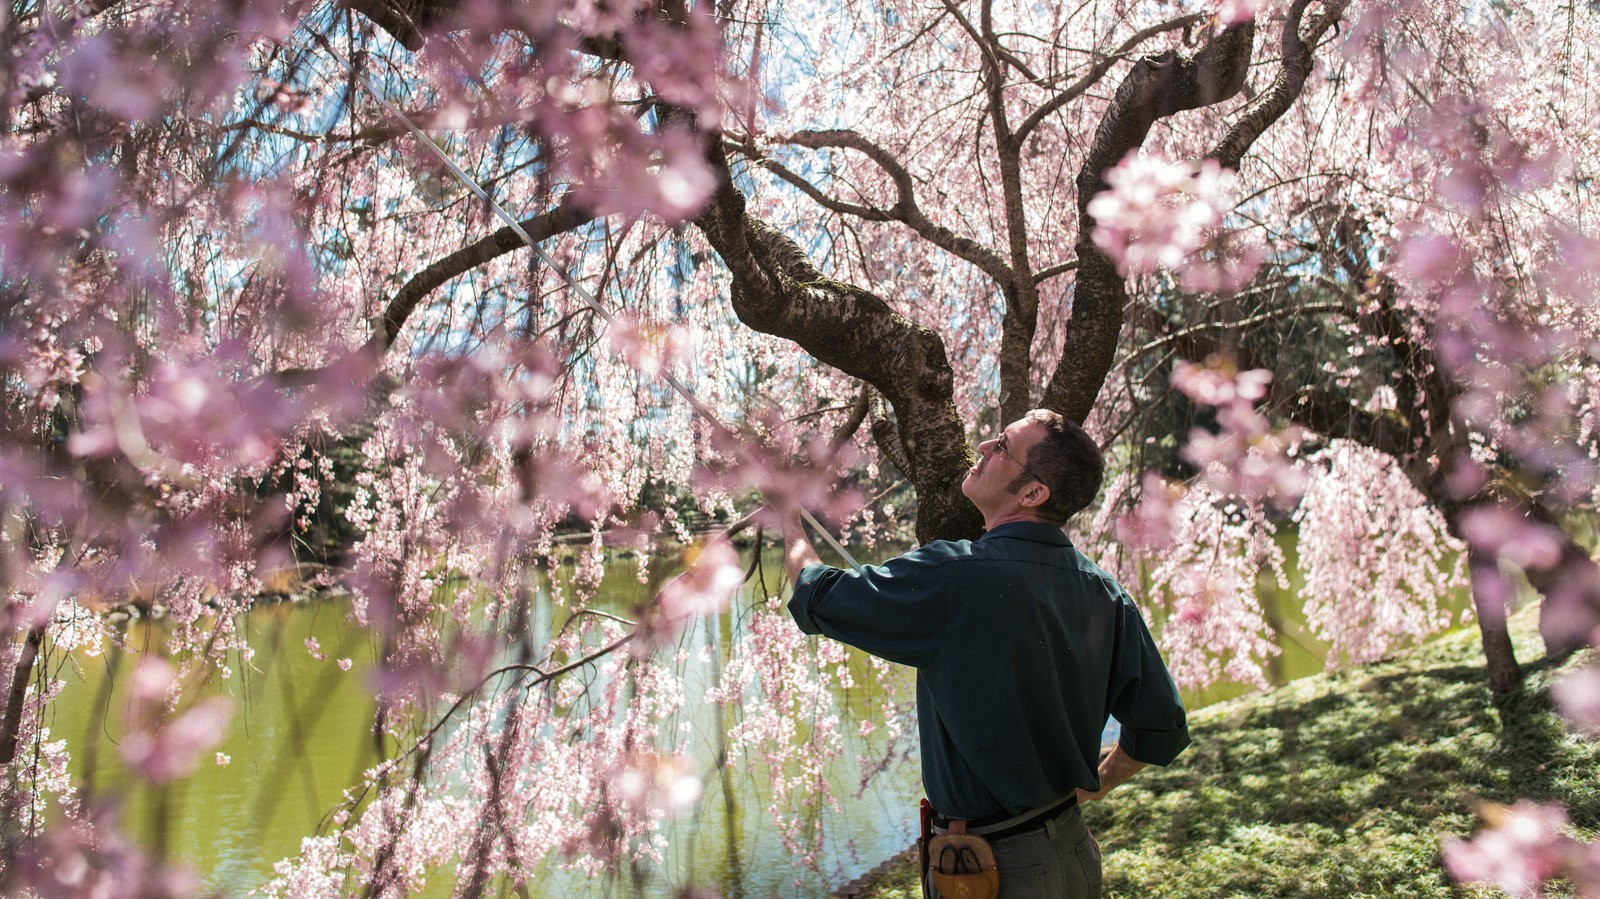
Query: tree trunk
x=11 y=727
x=1157 y=87
x=1489 y=595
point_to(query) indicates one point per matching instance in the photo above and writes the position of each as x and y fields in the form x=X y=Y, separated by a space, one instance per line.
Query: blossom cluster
x=1163 y=214
x=1377 y=559
x=1246 y=455
x=1527 y=844
x=1375 y=564
x=202 y=289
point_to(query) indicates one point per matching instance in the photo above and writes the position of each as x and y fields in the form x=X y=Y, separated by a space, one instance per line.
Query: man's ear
x=1035 y=496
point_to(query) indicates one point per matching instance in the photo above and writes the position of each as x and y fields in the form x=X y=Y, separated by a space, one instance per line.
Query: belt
x=1000 y=825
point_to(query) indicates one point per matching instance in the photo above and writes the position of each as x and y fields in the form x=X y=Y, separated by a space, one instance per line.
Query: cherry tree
x=1280 y=231
x=1350 y=239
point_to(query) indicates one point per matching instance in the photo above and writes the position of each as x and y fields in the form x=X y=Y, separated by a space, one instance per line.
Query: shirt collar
x=1037 y=531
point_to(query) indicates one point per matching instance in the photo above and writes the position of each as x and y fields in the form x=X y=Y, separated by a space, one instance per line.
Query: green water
x=301 y=735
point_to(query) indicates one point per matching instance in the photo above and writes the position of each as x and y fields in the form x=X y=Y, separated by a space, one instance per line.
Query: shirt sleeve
x=1144 y=698
x=896 y=611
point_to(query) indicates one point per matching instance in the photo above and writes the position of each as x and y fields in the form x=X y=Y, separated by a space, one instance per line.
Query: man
x=1022 y=647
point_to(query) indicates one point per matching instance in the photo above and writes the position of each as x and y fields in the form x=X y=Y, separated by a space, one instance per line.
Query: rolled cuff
x=1154 y=747
x=813 y=582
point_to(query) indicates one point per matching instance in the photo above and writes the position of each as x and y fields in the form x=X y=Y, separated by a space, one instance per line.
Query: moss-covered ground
x=1341 y=785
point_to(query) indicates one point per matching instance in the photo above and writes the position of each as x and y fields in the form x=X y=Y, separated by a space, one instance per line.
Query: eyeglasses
x=1000 y=445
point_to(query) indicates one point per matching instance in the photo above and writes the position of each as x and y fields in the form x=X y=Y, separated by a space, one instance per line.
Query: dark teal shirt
x=1022 y=647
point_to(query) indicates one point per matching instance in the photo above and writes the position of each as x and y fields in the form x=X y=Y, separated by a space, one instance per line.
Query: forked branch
x=905 y=208
x=1098 y=70
x=1300 y=39
x=1157 y=87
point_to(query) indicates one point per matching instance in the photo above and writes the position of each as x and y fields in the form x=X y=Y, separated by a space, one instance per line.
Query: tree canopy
x=1312 y=271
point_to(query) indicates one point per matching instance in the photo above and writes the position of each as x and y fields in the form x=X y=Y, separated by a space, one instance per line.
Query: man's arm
x=1115 y=769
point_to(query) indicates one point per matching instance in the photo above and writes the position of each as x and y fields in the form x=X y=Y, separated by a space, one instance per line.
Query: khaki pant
x=1059 y=860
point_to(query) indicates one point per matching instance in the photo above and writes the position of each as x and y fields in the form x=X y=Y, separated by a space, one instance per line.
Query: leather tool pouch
x=962 y=865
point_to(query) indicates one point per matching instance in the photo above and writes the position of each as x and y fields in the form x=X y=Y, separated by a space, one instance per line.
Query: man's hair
x=1067 y=460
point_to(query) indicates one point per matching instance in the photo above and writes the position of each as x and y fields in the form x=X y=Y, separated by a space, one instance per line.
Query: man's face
x=1001 y=462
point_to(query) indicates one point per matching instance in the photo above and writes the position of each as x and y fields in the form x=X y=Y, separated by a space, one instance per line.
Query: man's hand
x=797 y=549
x=1115 y=769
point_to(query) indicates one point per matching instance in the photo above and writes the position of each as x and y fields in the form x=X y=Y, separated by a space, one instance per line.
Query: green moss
x=1341 y=785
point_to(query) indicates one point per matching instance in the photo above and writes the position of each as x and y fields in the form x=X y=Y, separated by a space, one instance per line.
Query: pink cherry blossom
x=1577 y=694
x=1158 y=211
x=91 y=857
x=1501 y=531
x=1149 y=526
x=1525 y=845
x=1232 y=12
x=173 y=748
x=1246 y=456
x=655 y=786
x=713 y=573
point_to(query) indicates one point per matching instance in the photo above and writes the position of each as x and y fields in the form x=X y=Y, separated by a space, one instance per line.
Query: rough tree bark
x=1160 y=86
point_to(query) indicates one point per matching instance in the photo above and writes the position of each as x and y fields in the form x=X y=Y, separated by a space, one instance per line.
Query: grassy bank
x=1340 y=785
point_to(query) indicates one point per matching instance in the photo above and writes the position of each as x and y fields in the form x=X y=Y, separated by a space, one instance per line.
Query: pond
x=301 y=735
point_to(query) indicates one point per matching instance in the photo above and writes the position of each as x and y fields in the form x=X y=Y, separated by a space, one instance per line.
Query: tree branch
x=887 y=437
x=1098 y=69
x=1060 y=268
x=832 y=204
x=365 y=135
x=858 y=414
x=1156 y=87
x=972 y=32
x=1021 y=318
x=777 y=290
x=1271 y=104
x=403 y=19
x=1238 y=325
x=905 y=209
x=1331 y=414
x=565 y=217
